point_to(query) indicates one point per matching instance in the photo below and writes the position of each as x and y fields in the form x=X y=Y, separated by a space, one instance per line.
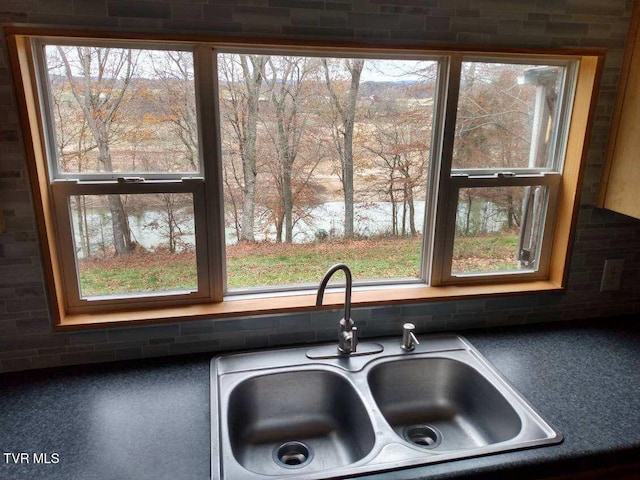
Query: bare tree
x=232 y=192
x=175 y=73
x=244 y=76
x=74 y=145
x=399 y=140
x=99 y=79
x=176 y=220
x=343 y=131
x=287 y=87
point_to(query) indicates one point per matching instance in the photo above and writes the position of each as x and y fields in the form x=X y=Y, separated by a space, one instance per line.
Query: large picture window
x=324 y=160
x=197 y=173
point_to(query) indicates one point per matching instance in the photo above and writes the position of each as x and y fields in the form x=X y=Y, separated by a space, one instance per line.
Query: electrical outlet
x=612 y=274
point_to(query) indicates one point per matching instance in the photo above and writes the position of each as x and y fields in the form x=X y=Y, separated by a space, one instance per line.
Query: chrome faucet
x=347 y=333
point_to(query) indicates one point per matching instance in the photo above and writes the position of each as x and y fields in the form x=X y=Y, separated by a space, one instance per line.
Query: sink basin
x=443 y=404
x=294 y=414
x=304 y=421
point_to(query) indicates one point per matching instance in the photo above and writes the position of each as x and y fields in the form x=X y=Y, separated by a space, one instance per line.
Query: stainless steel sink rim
x=391 y=450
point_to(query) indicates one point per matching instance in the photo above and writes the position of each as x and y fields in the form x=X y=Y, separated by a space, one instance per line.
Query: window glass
x=127 y=244
x=122 y=110
x=498 y=229
x=318 y=160
x=325 y=160
x=507 y=116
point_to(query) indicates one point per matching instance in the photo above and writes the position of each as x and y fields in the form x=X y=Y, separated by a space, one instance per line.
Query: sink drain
x=292 y=455
x=424 y=436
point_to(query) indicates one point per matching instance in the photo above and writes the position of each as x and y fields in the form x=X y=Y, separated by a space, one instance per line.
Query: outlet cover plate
x=612 y=274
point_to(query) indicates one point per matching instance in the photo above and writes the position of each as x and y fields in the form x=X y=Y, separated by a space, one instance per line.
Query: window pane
x=325 y=160
x=127 y=244
x=507 y=115
x=498 y=229
x=122 y=110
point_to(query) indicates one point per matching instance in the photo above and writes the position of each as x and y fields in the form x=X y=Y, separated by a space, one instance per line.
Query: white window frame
x=206 y=184
x=38 y=45
x=442 y=61
x=62 y=192
x=452 y=180
x=549 y=180
x=64 y=185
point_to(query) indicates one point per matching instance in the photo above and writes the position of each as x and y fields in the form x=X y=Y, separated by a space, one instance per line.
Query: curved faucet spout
x=347 y=331
x=347 y=291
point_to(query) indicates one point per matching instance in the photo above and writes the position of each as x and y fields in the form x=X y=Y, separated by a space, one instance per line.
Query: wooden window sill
x=240 y=306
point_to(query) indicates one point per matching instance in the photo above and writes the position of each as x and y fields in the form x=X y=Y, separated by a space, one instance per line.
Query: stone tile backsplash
x=26 y=337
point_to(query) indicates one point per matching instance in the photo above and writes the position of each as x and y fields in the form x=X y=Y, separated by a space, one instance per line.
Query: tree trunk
x=119 y=226
x=253 y=80
x=404 y=215
x=287 y=154
x=394 y=207
x=408 y=191
x=347 y=116
x=83 y=220
x=279 y=221
x=169 y=207
x=248 y=203
x=347 y=166
x=347 y=180
x=412 y=212
x=511 y=212
x=467 y=226
x=287 y=195
x=81 y=230
x=119 y=220
x=230 y=199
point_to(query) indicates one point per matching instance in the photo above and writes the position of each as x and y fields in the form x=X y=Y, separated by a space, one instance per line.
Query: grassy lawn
x=485 y=254
x=138 y=273
x=265 y=264
x=272 y=264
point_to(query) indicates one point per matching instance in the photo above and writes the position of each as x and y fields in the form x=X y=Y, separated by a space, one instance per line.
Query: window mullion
x=206 y=79
x=439 y=104
x=451 y=78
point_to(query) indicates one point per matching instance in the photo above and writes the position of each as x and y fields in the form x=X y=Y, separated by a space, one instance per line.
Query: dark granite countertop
x=150 y=419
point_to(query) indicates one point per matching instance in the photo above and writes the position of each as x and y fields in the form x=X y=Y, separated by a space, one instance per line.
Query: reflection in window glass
x=507 y=116
x=325 y=160
x=498 y=229
x=127 y=244
x=122 y=110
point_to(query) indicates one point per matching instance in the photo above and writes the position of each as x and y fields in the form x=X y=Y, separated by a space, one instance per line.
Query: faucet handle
x=348 y=336
x=409 y=340
x=354 y=338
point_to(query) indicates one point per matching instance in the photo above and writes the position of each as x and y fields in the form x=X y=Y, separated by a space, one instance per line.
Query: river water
x=326 y=220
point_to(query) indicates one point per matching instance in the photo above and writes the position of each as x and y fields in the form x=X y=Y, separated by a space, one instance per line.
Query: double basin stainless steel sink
x=307 y=413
